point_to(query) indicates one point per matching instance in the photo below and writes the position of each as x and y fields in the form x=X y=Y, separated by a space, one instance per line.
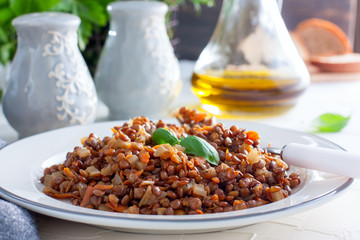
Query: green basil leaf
x=162 y=136
x=201 y=148
x=330 y=122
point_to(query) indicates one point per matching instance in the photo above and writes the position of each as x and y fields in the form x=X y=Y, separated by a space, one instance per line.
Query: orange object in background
x=324 y=33
x=326 y=46
x=322 y=37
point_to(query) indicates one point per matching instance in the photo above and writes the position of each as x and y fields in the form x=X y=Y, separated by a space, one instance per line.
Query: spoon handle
x=322 y=159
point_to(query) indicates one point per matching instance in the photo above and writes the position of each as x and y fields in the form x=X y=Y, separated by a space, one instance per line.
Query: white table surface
x=337 y=219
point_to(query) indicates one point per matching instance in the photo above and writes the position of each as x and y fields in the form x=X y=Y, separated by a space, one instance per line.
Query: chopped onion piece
x=148 y=197
x=116 y=179
x=107 y=171
x=276 y=193
x=254 y=156
x=146 y=183
x=199 y=190
x=133 y=159
x=92 y=171
x=83 y=152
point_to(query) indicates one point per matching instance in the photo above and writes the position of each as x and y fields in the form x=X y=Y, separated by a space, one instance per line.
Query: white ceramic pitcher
x=49 y=84
x=138 y=73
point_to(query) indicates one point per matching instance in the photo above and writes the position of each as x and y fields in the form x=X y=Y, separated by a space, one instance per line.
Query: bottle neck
x=250 y=34
x=242 y=17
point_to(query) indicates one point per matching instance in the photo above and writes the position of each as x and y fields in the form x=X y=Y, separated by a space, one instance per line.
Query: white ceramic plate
x=23 y=162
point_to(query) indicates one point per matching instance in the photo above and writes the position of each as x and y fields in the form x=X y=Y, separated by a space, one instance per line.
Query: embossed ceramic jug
x=138 y=73
x=49 y=84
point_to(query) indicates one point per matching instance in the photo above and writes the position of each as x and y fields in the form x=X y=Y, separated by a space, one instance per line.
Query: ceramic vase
x=138 y=73
x=49 y=84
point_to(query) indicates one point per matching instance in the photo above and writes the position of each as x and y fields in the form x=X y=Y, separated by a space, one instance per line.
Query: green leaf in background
x=201 y=148
x=6 y=51
x=330 y=122
x=84 y=32
x=91 y=13
x=162 y=136
x=93 y=28
x=4 y=37
x=20 y=7
x=1 y=93
x=5 y=15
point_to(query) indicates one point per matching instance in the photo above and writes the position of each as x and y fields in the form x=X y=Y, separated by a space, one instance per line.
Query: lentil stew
x=129 y=173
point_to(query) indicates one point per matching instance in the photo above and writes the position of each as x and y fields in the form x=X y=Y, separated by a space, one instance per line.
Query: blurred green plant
x=93 y=27
x=196 y=3
x=92 y=13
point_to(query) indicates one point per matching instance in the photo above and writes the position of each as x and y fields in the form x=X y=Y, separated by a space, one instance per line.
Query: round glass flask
x=250 y=65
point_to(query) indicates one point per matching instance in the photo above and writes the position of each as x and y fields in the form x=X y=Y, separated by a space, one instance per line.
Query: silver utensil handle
x=322 y=159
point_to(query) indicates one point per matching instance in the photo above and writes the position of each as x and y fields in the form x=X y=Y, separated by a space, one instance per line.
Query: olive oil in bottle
x=247 y=92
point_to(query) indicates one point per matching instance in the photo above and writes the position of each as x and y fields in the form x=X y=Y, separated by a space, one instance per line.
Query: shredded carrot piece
x=215 y=180
x=196 y=161
x=144 y=156
x=92 y=184
x=184 y=164
x=88 y=194
x=103 y=187
x=248 y=148
x=69 y=173
x=252 y=135
x=227 y=155
x=190 y=164
x=207 y=128
x=150 y=150
x=127 y=182
x=62 y=195
x=156 y=147
x=237 y=202
x=113 y=130
x=138 y=173
x=263 y=201
x=269 y=157
x=200 y=117
x=174 y=157
x=118 y=208
x=121 y=174
x=215 y=197
x=199 y=211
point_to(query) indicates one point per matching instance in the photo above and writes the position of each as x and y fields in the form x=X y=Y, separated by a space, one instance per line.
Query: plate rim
x=177 y=219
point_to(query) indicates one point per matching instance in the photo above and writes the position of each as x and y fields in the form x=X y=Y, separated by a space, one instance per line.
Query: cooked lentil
x=129 y=173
